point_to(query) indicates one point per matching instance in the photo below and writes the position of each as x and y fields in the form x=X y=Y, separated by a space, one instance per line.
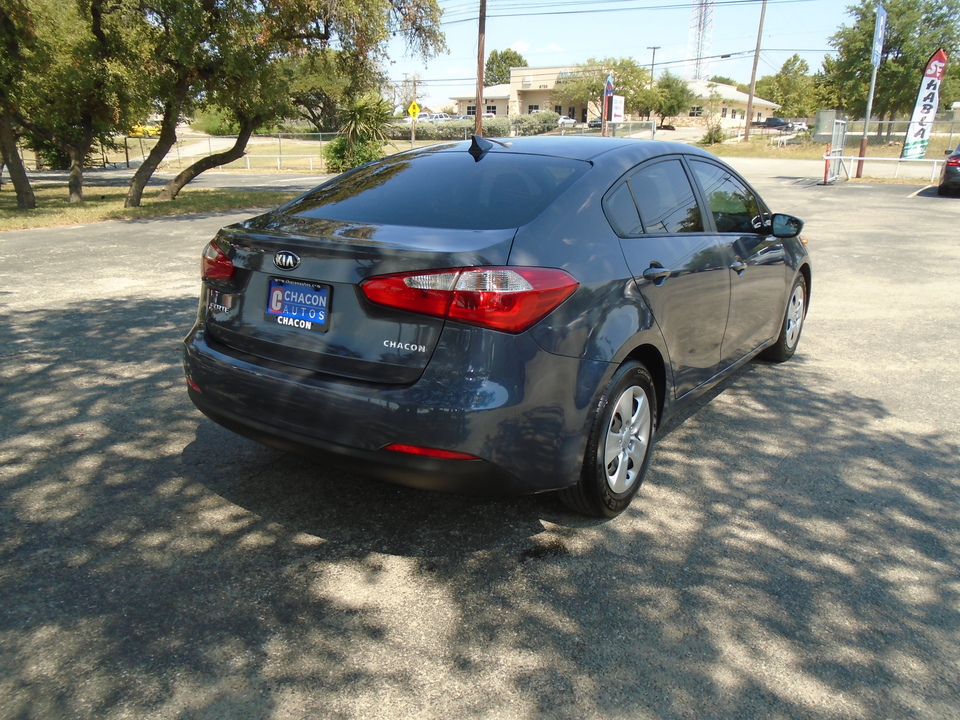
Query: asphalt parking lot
x=794 y=552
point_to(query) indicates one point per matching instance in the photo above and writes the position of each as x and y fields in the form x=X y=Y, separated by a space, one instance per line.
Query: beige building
x=531 y=89
x=725 y=100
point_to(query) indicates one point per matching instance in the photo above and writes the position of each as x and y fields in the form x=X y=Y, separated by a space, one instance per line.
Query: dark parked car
x=496 y=316
x=950 y=175
x=775 y=123
x=595 y=124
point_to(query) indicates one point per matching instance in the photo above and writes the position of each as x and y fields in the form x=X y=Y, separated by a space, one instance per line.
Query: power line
x=536 y=74
x=579 y=3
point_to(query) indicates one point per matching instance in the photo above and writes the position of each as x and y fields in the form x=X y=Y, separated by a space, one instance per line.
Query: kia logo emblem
x=286 y=260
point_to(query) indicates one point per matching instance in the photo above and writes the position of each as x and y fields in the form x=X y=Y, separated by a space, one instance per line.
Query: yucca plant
x=363 y=133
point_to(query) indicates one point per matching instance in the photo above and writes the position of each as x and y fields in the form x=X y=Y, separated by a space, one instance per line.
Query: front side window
x=733 y=206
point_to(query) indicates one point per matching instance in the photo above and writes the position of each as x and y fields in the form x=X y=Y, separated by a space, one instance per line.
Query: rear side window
x=444 y=189
x=663 y=198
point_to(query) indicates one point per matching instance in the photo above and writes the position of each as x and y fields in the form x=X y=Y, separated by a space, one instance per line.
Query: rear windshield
x=444 y=190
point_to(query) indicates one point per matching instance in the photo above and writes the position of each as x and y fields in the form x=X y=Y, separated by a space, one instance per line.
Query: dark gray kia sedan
x=490 y=316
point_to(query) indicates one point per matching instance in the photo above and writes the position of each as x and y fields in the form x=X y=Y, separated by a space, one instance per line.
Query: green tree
x=792 y=88
x=96 y=93
x=586 y=83
x=18 y=43
x=675 y=96
x=915 y=30
x=253 y=81
x=318 y=87
x=499 y=62
x=174 y=38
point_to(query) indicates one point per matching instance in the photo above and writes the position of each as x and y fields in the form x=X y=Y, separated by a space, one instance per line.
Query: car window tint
x=665 y=199
x=622 y=213
x=444 y=189
x=733 y=206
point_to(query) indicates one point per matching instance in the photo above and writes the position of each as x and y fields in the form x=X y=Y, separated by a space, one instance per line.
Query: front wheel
x=786 y=344
x=620 y=445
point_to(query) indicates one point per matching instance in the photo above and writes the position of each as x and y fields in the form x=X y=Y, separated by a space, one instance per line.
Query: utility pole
x=753 y=75
x=653 y=60
x=480 y=63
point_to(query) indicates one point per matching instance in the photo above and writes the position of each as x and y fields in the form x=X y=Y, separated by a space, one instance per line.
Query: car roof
x=586 y=148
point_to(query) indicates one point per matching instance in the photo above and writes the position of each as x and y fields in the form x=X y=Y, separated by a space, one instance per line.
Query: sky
x=568 y=32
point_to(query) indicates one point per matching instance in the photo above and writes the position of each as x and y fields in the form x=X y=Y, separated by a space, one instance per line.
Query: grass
x=106 y=203
x=805 y=149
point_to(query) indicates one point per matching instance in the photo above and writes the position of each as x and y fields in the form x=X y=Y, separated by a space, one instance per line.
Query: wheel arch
x=808 y=279
x=652 y=359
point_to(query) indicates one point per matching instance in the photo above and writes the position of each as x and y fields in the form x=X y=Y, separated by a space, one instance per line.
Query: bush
x=341 y=156
x=536 y=123
x=496 y=127
x=214 y=121
x=714 y=134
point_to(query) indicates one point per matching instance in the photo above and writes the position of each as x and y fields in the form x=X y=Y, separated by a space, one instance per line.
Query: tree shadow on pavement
x=793 y=554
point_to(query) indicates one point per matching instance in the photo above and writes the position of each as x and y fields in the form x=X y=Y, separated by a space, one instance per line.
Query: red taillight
x=214 y=263
x=429 y=452
x=510 y=299
x=953 y=161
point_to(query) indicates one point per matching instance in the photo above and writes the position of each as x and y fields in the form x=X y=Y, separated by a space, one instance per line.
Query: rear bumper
x=468 y=477
x=525 y=417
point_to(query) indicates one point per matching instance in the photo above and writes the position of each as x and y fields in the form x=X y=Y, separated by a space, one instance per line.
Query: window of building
x=471 y=109
x=723 y=112
x=558 y=109
x=696 y=111
x=572 y=112
x=532 y=109
x=492 y=109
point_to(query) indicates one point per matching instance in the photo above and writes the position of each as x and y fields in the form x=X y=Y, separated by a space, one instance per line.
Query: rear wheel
x=619 y=447
x=792 y=326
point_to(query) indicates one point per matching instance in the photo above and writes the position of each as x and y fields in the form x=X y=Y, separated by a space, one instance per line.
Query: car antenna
x=481 y=145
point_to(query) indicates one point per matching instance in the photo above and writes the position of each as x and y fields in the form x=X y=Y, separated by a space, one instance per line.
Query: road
x=794 y=552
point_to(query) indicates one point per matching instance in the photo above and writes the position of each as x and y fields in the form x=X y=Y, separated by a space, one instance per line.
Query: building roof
x=704 y=88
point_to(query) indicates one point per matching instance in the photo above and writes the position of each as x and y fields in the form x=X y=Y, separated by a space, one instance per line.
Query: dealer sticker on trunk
x=298 y=304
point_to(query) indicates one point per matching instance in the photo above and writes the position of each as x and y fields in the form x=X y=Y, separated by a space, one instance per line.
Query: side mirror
x=785 y=226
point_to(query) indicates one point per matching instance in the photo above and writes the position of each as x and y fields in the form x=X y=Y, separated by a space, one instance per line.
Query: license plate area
x=298 y=304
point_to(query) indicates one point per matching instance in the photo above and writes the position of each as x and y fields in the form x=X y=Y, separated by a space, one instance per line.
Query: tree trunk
x=78 y=154
x=173 y=188
x=11 y=156
x=165 y=141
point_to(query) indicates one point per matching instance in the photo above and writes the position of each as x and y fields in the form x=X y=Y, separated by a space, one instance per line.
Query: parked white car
x=564 y=121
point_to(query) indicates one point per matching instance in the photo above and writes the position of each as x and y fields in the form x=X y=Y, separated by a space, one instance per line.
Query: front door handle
x=739 y=266
x=657 y=273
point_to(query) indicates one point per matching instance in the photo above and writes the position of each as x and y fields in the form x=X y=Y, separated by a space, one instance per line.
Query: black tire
x=619 y=448
x=942 y=191
x=792 y=325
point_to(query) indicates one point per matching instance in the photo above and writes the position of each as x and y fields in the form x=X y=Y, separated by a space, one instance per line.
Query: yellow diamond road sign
x=414 y=109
